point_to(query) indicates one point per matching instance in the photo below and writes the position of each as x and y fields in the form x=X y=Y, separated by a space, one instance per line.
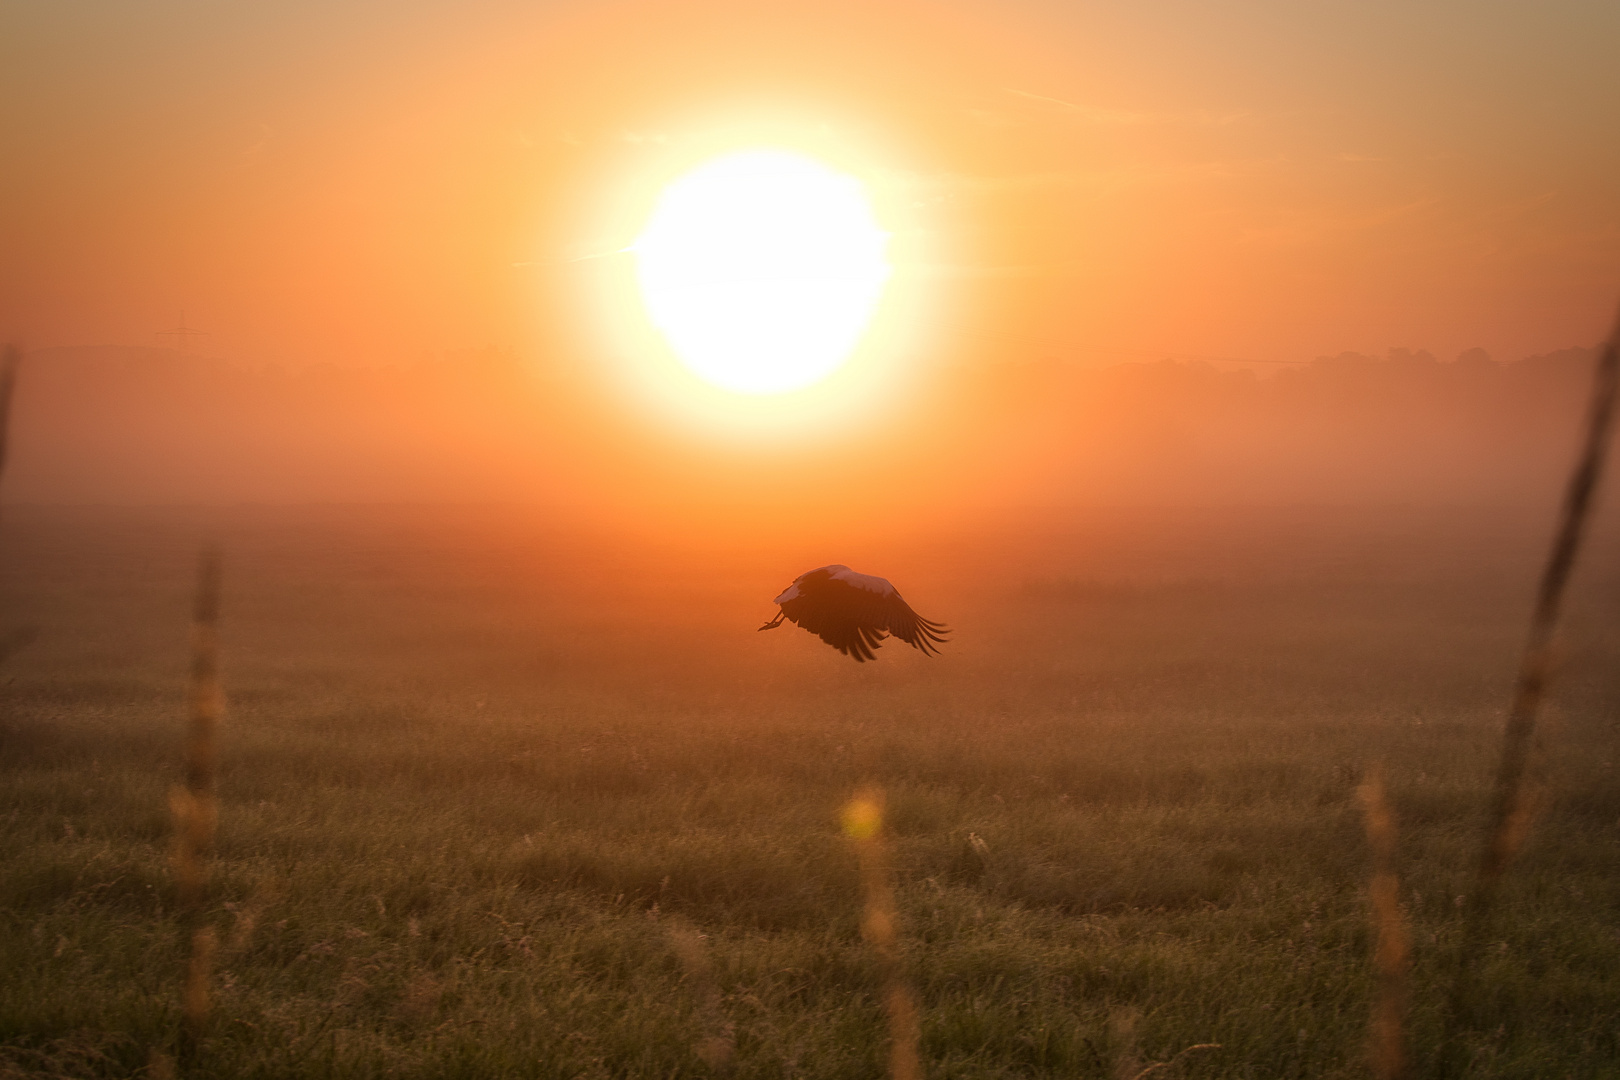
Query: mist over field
x=158 y=426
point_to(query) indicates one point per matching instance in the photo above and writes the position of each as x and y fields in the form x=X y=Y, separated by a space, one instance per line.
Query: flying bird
x=854 y=612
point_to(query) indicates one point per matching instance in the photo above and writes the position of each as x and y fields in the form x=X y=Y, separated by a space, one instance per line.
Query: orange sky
x=369 y=182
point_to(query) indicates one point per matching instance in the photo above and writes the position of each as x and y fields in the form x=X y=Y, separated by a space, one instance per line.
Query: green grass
x=476 y=776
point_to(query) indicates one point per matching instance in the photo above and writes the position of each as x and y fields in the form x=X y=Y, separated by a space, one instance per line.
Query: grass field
x=499 y=799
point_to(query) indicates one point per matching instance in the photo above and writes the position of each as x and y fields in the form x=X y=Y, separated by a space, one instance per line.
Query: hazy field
x=483 y=777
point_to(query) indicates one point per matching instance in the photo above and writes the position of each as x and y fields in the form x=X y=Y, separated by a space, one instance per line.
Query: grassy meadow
x=501 y=799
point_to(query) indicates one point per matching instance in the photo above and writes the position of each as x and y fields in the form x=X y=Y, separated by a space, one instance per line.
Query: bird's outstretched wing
x=843 y=615
x=911 y=628
x=854 y=612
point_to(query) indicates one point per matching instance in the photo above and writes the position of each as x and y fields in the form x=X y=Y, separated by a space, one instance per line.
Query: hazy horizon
x=134 y=426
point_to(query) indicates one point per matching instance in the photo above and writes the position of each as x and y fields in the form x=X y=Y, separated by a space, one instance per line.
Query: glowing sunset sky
x=363 y=182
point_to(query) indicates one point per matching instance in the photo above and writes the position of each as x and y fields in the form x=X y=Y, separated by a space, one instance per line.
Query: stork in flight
x=854 y=612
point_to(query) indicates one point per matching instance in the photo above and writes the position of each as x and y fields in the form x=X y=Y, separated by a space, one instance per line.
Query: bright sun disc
x=762 y=269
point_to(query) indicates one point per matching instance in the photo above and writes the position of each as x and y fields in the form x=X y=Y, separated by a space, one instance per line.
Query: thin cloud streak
x=1096 y=115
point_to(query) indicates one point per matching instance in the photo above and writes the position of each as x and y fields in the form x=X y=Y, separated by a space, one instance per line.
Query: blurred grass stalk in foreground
x=717 y=1043
x=1512 y=804
x=10 y=360
x=196 y=811
x=863 y=824
x=1392 y=953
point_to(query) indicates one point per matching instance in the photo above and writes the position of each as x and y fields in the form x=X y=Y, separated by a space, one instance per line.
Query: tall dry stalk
x=196 y=812
x=1392 y=954
x=10 y=360
x=863 y=824
x=1510 y=810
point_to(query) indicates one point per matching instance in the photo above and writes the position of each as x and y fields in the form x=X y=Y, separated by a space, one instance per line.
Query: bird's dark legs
x=780 y=615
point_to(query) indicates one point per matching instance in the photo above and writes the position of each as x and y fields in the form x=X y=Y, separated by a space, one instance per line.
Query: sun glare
x=762 y=269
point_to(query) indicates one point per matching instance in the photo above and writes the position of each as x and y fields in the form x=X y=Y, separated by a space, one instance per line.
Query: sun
x=762 y=269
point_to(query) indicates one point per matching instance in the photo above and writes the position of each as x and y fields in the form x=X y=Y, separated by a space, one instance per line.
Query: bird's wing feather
x=854 y=612
x=882 y=606
x=909 y=627
x=834 y=611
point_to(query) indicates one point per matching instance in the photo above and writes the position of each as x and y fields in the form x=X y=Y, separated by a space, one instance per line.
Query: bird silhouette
x=854 y=612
